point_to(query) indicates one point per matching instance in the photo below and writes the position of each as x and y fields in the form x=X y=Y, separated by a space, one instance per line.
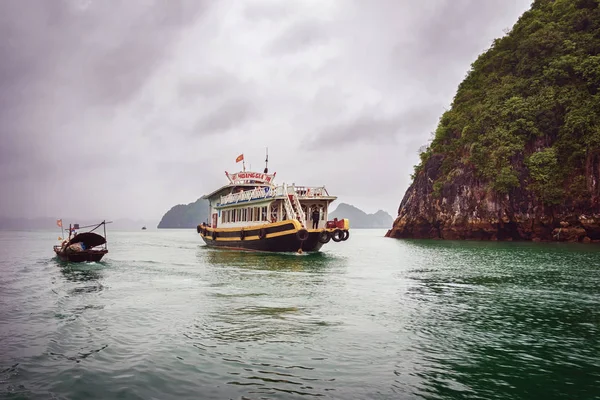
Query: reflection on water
x=275 y=302
x=307 y=262
x=87 y=276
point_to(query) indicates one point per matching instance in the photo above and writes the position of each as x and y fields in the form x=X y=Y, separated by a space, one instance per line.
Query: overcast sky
x=112 y=109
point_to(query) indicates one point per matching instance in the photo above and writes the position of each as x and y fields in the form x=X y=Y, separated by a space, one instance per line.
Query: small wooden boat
x=81 y=247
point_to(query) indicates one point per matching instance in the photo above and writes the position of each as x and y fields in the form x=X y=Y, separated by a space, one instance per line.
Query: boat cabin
x=252 y=199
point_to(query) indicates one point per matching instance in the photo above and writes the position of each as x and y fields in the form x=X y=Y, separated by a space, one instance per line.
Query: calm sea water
x=163 y=317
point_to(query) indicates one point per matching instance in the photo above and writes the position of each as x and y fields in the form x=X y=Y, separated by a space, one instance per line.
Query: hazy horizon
x=123 y=109
x=74 y=219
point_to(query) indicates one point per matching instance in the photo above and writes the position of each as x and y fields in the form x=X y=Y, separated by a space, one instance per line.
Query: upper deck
x=246 y=187
x=275 y=192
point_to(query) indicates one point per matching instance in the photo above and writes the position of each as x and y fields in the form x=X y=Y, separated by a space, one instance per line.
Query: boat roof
x=89 y=239
x=231 y=186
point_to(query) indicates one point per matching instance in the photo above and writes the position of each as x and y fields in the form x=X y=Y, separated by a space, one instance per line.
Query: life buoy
x=338 y=235
x=324 y=237
x=302 y=235
x=346 y=235
x=214 y=235
x=242 y=234
x=262 y=233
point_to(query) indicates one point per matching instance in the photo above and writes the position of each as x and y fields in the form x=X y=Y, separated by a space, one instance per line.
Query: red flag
x=240 y=158
x=59 y=223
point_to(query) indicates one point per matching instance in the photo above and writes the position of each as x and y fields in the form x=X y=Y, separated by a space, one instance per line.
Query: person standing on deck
x=315 y=218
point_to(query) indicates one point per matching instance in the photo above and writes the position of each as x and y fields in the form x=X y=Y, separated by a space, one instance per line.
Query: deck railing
x=311 y=191
x=271 y=192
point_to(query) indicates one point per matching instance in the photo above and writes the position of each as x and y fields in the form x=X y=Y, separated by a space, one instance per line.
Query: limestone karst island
x=517 y=156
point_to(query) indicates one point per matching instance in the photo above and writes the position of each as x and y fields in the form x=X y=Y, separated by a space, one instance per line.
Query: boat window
x=263 y=214
x=251 y=214
x=322 y=212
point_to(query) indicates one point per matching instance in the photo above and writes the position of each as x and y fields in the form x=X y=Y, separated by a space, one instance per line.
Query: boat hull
x=278 y=237
x=81 y=256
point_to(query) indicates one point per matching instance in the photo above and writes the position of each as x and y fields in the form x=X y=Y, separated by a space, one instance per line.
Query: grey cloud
x=208 y=85
x=227 y=116
x=106 y=49
x=127 y=89
x=370 y=127
x=270 y=10
x=450 y=40
x=364 y=129
x=298 y=37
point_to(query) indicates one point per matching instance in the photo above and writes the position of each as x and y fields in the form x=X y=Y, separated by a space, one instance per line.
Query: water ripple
x=164 y=317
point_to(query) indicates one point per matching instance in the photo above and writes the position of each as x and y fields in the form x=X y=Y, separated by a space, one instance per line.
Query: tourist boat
x=252 y=213
x=85 y=246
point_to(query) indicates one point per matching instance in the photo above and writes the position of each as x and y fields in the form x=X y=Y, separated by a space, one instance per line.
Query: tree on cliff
x=518 y=153
x=185 y=216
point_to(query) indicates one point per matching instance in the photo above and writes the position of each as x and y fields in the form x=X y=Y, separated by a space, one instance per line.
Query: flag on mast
x=59 y=223
x=239 y=158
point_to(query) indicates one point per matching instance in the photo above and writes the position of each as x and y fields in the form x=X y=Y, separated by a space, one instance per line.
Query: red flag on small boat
x=239 y=158
x=59 y=223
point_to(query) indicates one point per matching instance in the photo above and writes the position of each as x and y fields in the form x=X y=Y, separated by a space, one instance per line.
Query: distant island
x=517 y=156
x=184 y=216
x=360 y=219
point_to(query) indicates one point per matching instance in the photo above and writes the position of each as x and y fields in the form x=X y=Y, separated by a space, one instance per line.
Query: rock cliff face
x=517 y=157
x=467 y=209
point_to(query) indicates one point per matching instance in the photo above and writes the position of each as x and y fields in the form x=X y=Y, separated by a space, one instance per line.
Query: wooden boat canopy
x=89 y=239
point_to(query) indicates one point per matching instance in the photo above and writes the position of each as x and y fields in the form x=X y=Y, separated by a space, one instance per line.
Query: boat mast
x=105 y=241
x=267 y=162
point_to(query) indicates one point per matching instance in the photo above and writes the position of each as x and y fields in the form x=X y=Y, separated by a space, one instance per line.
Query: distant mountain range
x=188 y=216
x=43 y=223
x=184 y=216
x=360 y=219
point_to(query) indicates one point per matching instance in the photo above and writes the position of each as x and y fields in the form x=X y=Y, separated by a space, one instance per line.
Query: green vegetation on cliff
x=528 y=112
x=185 y=216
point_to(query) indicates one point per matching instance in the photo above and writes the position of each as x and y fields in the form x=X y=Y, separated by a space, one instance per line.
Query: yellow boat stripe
x=254 y=237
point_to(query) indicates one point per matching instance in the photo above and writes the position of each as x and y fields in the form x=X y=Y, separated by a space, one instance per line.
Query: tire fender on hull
x=338 y=235
x=302 y=235
x=324 y=237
